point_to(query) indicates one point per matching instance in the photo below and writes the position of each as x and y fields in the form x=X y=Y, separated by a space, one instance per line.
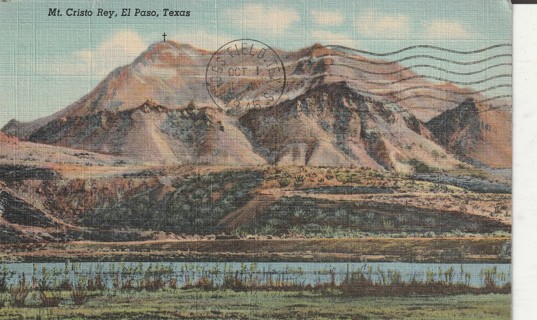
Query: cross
x=164 y=35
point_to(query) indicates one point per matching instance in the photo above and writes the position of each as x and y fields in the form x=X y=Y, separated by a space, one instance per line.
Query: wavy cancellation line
x=507 y=75
x=489 y=109
x=429 y=66
x=424 y=56
x=506 y=85
x=391 y=93
x=497 y=97
x=428 y=87
x=492 y=108
x=449 y=100
x=422 y=46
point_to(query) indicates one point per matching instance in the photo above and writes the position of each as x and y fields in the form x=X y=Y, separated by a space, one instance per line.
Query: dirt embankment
x=253 y=209
x=456 y=250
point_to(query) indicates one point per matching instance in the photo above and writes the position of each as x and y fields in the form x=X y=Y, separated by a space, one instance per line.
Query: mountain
x=168 y=73
x=13 y=150
x=337 y=109
x=153 y=133
x=381 y=80
x=333 y=125
x=476 y=131
x=4 y=138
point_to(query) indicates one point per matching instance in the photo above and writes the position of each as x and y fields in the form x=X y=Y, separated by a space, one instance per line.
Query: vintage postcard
x=255 y=159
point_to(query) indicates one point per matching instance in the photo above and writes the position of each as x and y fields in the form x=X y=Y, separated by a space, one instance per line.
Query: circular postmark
x=245 y=73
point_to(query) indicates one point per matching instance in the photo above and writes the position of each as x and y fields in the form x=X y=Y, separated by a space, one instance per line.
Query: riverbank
x=457 y=250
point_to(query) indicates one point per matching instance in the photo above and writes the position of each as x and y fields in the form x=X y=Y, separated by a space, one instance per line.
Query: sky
x=48 y=62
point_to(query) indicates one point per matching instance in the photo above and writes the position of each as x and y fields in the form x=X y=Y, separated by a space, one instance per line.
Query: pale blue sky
x=46 y=63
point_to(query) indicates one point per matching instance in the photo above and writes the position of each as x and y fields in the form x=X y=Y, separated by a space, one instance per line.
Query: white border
x=524 y=161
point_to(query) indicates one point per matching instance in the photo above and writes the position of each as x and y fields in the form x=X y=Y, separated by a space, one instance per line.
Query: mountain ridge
x=157 y=109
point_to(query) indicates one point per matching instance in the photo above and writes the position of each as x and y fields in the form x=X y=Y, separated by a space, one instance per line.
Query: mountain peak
x=169 y=52
x=12 y=127
x=349 y=109
x=157 y=46
x=314 y=50
x=475 y=131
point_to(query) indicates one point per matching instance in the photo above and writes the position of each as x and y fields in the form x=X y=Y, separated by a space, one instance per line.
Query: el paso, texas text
x=125 y=12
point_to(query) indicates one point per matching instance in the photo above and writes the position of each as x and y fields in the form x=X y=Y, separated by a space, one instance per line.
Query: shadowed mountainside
x=157 y=110
x=476 y=131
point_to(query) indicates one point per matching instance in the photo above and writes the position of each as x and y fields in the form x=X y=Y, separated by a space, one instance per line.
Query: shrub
x=49 y=300
x=172 y=284
x=194 y=207
x=233 y=283
x=153 y=283
x=65 y=285
x=204 y=283
x=421 y=167
x=347 y=177
x=19 y=293
x=299 y=180
x=489 y=277
x=79 y=296
x=5 y=276
x=284 y=182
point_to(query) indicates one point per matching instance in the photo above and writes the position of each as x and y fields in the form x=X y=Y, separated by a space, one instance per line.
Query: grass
x=305 y=202
x=228 y=304
x=50 y=285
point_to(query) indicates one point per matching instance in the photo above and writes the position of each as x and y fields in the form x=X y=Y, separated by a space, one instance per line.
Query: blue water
x=291 y=272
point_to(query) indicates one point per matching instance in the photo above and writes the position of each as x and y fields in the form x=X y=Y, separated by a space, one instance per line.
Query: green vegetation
x=195 y=205
x=193 y=291
x=347 y=177
x=421 y=167
x=228 y=304
x=318 y=218
x=281 y=201
x=284 y=182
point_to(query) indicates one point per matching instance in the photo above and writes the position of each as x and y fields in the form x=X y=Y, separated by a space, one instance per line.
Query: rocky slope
x=158 y=110
x=477 y=132
x=332 y=125
x=153 y=133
